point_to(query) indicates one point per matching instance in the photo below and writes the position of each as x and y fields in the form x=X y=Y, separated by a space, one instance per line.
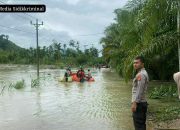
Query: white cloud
x=64 y=19
x=73 y=2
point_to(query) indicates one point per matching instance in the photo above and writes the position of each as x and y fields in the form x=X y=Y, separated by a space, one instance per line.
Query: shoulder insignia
x=139 y=77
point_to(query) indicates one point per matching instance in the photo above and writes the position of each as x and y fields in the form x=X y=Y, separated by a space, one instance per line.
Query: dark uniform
x=140 y=84
x=66 y=75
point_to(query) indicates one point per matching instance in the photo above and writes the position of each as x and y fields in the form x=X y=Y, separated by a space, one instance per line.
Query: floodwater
x=100 y=105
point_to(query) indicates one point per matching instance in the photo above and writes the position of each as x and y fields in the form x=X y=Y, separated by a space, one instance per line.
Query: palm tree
x=142 y=27
x=72 y=43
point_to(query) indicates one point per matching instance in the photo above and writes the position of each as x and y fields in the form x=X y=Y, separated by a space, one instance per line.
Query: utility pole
x=37 y=50
x=178 y=29
x=64 y=52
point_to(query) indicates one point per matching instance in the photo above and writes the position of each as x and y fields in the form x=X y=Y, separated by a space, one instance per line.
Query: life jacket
x=78 y=73
x=81 y=75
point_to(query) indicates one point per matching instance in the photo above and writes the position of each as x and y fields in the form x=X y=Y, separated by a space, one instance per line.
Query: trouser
x=66 y=79
x=81 y=80
x=139 y=117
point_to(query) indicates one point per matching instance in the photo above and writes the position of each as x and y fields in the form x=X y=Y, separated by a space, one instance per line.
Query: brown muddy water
x=100 y=105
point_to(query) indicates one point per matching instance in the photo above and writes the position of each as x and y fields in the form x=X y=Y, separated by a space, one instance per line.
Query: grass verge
x=164 y=104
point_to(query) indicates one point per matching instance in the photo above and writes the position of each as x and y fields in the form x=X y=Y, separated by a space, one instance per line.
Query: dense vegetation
x=55 y=54
x=163 y=102
x=164 y=92
x=147 y=28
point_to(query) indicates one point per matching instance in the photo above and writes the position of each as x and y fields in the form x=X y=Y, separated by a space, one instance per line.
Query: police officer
x=139 y=103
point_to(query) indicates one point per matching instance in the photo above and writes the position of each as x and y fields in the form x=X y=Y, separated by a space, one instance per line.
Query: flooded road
x=100 y=105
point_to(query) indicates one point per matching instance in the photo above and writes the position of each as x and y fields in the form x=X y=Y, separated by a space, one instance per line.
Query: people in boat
x=66 y=75
x=89 y=76
x=69 y=71
x=81 y=74
x=78 y=72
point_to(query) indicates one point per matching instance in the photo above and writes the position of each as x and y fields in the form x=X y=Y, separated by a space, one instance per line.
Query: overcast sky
x=81 y=20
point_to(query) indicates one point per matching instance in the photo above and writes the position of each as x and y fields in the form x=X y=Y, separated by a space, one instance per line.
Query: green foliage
x=19 y=84
x=60 y=65
x=3 y=87
x=163 y=91
x=82 y=60
x=35 y=83
x=55 y=54
x=7 y=45
x=166 y=113
x=164 y=104
x=147 y=28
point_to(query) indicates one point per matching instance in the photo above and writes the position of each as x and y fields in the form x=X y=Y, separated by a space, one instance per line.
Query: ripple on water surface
x=103 y=104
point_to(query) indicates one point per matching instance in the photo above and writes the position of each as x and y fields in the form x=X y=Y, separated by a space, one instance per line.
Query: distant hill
x=7 y=45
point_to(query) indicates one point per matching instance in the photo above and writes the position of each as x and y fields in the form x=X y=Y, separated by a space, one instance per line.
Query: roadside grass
x=164 y=104
x=163 y=91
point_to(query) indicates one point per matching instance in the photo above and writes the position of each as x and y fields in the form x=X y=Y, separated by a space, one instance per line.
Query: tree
x=11 y=53
x=146 y=27
x=72 y=43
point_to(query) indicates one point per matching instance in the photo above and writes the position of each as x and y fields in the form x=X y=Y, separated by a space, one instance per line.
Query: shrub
x=19 y=84
x=163 y=91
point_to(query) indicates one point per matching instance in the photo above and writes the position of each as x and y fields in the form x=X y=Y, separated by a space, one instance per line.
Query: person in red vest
x=81 y=74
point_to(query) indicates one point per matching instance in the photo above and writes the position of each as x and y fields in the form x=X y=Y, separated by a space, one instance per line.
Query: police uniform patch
x=139 y=77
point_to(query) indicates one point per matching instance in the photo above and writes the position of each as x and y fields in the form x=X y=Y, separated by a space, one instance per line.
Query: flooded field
x=100 y=105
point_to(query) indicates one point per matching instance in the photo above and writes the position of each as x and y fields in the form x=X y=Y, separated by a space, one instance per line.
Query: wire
x=53 y=35
x=16 y=29
x=81 y=35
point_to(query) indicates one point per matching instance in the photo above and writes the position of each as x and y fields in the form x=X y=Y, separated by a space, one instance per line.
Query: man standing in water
x=139 y=103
